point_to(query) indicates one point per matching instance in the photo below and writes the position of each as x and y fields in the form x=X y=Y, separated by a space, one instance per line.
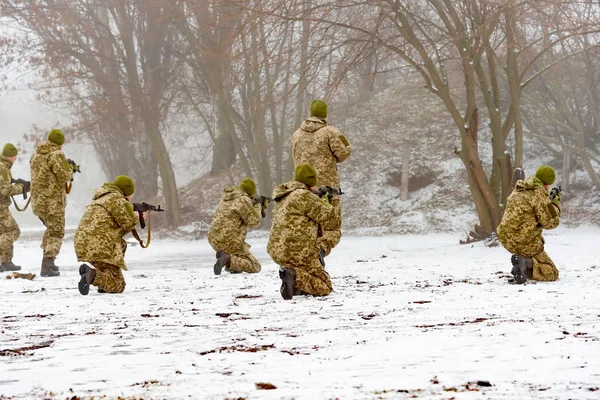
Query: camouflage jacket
x=7 y=189
x=320 y=145
x=296 y=218
x=234 y=215
x=49 y=174
x=105 y=221
x=528 y=211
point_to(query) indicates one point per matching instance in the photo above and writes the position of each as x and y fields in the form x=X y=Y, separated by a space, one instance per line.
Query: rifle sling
x=17 y=206
x=137 y=236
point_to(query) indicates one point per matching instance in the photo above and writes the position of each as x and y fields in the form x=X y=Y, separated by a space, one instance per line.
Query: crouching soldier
x=236 y=212
x=99 y=237
x=528 y=211
x=9 y=230
x=293 y=241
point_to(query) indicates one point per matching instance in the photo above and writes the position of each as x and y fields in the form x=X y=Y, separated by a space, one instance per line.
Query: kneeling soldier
x=293 y=241
x=99 y=237
x=528 y=211
x=9 y=230
x=227 y=234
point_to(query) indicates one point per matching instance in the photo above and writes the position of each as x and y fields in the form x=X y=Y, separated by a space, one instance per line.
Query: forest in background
x=231 y=80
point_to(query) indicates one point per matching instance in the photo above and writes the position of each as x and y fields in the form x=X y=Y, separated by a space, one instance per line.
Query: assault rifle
x=555 y=192
x=328 y=191
x=258 y=199
x=74 y=166
x=26 y=186
x=142 y=208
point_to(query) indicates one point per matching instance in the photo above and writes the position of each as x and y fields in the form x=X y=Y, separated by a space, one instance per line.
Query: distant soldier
x=321 y=145
x=99 y=236
x=50 y=173
x=9 y=230
x=293 y=241
x=237 y=212
x=528 y=211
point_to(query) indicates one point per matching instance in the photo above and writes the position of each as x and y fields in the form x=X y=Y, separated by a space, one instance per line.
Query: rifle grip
x=142 y=222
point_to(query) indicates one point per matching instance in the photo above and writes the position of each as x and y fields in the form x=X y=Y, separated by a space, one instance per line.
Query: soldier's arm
x=548 y=215
x=319 y=210
x=340 y=148
x=250 y=214
x=122 y=212
x=59 y=167
x=7 y=188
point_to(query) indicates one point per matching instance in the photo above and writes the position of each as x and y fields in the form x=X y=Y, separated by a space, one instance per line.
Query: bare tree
x=111 y=64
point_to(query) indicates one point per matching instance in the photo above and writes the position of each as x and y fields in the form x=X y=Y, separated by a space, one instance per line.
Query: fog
x=175 y=92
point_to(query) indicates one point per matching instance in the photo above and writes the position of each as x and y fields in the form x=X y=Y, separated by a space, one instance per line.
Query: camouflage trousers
x=543 y=267
x=243 y=262
x=55 y=232
x=330 y=232
x=241 y=258
x=9 y=233
x=108 y=278
x=312 y=278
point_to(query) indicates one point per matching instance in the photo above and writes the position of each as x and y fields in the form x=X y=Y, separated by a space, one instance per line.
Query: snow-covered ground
x=411 y=317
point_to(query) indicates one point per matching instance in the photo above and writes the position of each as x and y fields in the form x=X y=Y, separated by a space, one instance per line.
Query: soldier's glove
x=327 y=197
x=556 y=199
x=73 y=165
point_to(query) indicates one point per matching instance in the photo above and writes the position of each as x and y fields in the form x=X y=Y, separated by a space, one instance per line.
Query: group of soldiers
x=98 y=240
x=307 y=216
x=306 y=222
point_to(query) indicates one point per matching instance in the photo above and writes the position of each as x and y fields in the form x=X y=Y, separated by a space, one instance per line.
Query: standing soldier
x=99 y=236
x=237 y=212
x=323 y=146
x=50 y=173
x=9 y=230
x=293 y=241
x=528 y=211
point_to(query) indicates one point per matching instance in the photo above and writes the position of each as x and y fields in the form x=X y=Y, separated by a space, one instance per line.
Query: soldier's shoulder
x=331 y=130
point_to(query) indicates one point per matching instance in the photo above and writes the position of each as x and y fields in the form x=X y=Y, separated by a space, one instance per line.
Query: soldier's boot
x=322 y=256
x=520 y=267
x=223 y=260
x=288 y=279
x=87 y=278
x=9 y=266
x=49 y=268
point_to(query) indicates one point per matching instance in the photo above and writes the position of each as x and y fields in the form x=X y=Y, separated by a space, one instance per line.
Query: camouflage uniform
x=49 y=174
x=9 y=230
x=293 y=241
x=323 y=146
x=528 y=211
x=99 y=237
x=228 y=229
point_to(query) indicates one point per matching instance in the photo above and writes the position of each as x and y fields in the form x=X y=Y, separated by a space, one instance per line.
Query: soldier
x=50 y=174
x=9 y=230
x=237 y=212
x=99 y=236
x=528 y=211
x=321 y=145
x=294 y=239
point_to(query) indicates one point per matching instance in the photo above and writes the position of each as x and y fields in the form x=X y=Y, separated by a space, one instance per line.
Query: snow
x=428 y=320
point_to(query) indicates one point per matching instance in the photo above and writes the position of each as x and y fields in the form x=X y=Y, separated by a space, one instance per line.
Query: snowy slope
x=426 y=321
